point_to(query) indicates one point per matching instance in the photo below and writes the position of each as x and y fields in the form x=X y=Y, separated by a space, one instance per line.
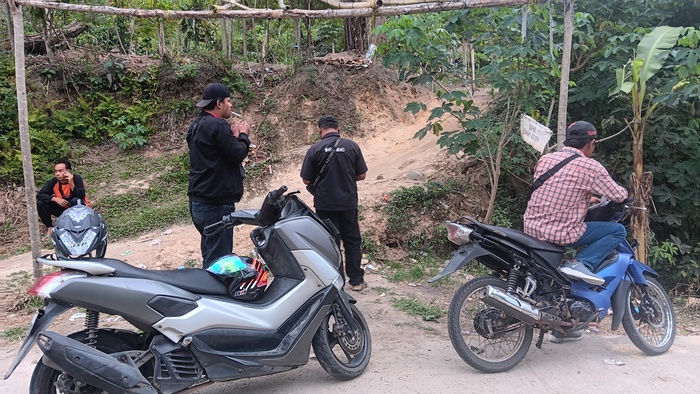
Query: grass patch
x=418 y=268
x=14 y=334
x=380 y=289
x=407 y=200
x=192 y=263
x=416 y=308
x=129 y=210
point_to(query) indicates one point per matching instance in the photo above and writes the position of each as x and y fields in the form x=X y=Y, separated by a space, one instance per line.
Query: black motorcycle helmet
x=79 y=233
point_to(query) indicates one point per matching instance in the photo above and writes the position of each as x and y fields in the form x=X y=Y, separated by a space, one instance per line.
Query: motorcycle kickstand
x=538 y=344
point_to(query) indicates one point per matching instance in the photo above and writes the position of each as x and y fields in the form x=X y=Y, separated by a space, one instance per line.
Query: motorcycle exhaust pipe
x=510 y=304
x=92 y=367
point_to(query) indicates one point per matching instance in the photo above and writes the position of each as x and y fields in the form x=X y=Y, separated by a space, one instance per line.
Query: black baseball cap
x=581 y=130
x=213 y=91
x=328 y=122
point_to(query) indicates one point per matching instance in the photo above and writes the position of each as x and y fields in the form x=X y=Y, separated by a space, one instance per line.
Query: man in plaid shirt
x=556 y=210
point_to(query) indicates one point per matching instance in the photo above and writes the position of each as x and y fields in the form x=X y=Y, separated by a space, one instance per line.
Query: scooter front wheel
x=343 y=352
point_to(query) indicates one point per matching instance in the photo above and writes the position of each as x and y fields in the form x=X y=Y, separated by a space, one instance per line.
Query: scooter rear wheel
x=343 y=353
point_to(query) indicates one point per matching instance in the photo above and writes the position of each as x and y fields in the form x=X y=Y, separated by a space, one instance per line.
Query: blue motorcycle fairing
x=462 y=256
x=625 y=270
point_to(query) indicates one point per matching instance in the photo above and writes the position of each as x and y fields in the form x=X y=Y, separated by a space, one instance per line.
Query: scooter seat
x=196 y=280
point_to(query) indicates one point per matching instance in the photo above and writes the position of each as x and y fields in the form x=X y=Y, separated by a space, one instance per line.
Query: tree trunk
x=46 y=34
x=641 y=185
x=266 y=41
x=132 y=30
x=297 y=33
x=8 y=15
x=565 y=68
x=245 y=42
x=162 y=49
x=35 y=44
x=225 y=37
x=356 y=34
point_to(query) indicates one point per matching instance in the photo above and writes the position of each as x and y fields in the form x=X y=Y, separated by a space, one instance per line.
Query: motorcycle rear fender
x=465 y=254
x=42 y=319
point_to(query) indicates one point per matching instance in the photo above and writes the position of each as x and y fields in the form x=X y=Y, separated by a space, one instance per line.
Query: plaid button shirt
x=556 y=210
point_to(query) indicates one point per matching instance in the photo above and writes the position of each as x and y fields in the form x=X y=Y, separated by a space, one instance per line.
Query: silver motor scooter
x=191 y=333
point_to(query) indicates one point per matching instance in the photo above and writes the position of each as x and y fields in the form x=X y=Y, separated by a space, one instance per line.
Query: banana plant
x=651 y=55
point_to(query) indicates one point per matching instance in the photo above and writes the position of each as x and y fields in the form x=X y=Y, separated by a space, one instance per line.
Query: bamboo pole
x=278 y=13
x=25 y=143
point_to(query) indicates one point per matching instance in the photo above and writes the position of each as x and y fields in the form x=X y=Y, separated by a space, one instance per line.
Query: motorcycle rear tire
x=664 y=319
x=476 y=354
x=44 y=378
x=335 y=357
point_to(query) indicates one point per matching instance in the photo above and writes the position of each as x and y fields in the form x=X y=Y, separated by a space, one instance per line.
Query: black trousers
x=47 y=209
x=216 y=244
x=349 y=228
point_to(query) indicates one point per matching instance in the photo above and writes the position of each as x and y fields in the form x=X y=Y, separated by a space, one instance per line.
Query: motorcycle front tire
x=343 y=356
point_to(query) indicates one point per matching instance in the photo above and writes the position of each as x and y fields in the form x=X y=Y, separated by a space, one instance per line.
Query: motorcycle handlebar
x=218 y=226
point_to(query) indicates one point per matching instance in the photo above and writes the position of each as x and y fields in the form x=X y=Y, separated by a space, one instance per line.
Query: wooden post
x=22 y=113
x=10 y=34
x=565 y=68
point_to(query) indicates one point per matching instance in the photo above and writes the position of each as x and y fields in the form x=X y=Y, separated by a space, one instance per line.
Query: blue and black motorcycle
x=491 y=319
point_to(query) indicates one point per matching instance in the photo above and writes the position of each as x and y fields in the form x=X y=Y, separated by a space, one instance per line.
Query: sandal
x=359 y=286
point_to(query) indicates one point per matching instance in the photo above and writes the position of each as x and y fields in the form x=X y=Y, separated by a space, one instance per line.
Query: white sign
x=535 y=134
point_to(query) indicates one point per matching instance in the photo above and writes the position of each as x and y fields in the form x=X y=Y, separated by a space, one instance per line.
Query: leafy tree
x=521 y=76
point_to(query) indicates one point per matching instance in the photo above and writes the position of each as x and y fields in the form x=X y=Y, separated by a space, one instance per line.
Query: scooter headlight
x=458 y=233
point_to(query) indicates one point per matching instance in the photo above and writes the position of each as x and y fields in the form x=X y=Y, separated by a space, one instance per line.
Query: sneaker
x=560 y=337
x=577 y=270
x=359 y=286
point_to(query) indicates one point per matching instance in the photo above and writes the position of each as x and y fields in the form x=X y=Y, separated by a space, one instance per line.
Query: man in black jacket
x=64 y=190
x=217 y=151
x=335 y=198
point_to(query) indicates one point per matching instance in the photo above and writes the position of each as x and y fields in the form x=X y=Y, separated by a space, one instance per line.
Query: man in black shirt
x=217 y=150
x=335 y=197
x=64 y=190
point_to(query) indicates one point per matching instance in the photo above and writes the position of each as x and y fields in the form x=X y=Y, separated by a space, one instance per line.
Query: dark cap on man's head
x=328 y=122
x=581 y=130
x=213 y=91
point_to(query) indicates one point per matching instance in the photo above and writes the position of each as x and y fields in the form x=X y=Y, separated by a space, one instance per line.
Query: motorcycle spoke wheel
x=649 y=320
x=484 y=337
x=343 y=353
